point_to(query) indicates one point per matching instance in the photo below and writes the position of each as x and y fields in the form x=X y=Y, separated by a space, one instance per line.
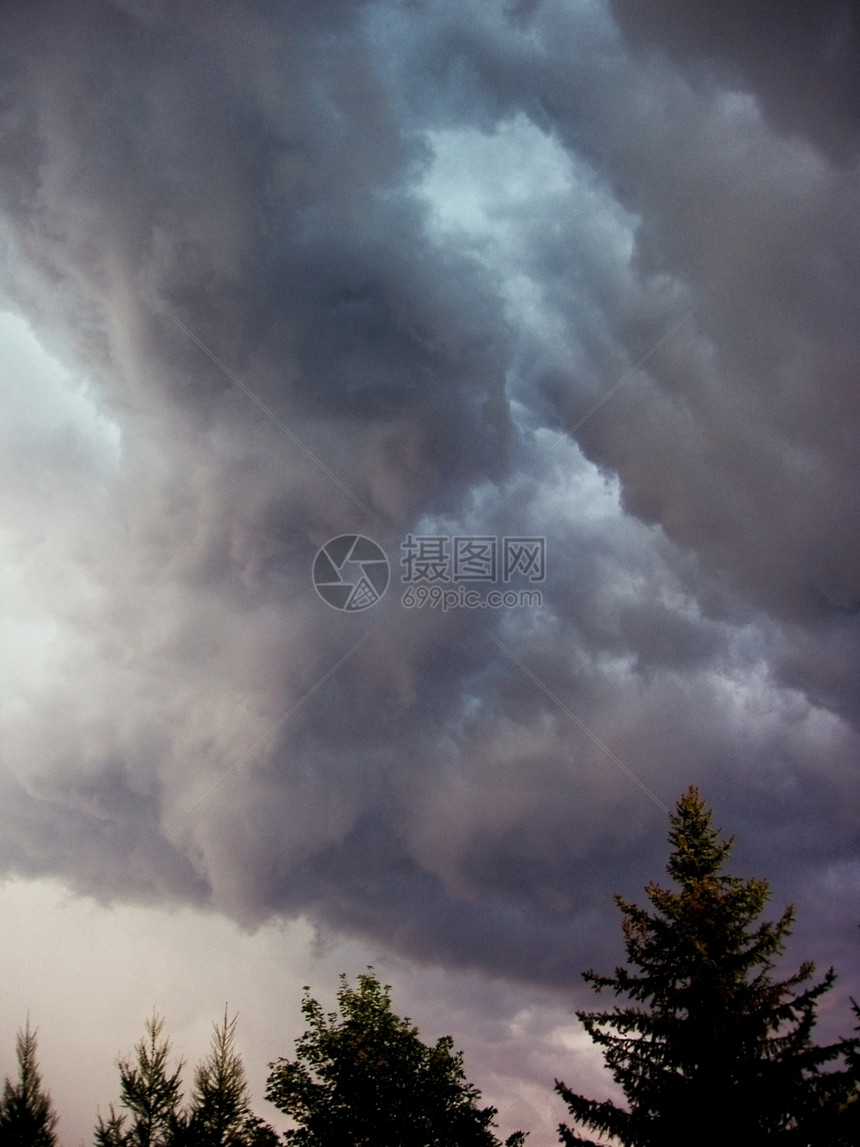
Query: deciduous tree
x=363 y=1077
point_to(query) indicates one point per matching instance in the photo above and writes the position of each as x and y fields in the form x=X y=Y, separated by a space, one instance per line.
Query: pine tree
x=151 y=1093
x=843 y=1128
x=364 y=1078
x=220 y=1115
x=711 y=1049
x=27 y=1117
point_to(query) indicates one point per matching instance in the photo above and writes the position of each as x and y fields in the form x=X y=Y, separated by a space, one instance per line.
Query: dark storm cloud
x=801 y=60
x=758 y=234
x=265 y=174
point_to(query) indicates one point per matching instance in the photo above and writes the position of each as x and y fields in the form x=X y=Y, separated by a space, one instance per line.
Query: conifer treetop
x=698 y=852
x=708 y=1029
x=27 y=1114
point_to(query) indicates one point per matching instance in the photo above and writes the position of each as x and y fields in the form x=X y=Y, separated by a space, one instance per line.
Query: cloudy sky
x=276 y=272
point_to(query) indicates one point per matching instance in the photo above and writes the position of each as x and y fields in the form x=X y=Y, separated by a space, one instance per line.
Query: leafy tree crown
x=363 y=1077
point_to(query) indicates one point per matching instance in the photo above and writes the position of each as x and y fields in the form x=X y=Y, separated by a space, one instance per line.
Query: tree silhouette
x=27 y=1117
x=152 y=1095
x=220 y=1115
x=364 y=1078
x=711 y=1049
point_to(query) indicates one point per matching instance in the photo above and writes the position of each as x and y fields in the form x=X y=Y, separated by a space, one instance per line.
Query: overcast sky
x=276 y=272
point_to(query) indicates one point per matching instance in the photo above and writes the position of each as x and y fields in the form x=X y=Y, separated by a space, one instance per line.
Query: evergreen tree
x=364 y=1078
x=151 y=1093
x=220 y=1115
x=27 y=1117
x=844 y=1128
x=712 y=1049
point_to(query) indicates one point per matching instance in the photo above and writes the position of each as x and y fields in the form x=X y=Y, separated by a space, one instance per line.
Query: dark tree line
x=710 y=1048
x=218 y=1114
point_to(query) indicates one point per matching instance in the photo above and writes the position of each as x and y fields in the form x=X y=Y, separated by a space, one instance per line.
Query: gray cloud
x=800 y=64
x=428 y=238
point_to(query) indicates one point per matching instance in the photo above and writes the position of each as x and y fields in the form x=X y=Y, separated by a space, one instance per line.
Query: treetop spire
x=698 y=850
x=711 y=1046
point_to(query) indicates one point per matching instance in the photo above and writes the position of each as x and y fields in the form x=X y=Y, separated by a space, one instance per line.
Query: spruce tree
x=220 y=1115
x=844 y=1126
x=152 y=1095
x=27 y=1117
x=711 y=1049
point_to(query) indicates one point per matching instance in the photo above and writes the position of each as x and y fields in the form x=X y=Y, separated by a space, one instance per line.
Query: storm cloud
x=314 y=269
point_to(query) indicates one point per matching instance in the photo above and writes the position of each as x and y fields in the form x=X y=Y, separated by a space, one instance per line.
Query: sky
x=552 y=300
